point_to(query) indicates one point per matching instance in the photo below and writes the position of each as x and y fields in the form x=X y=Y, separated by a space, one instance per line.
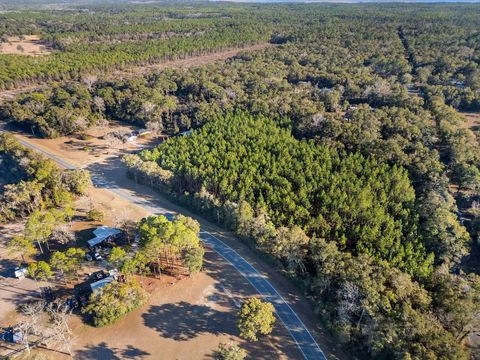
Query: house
x=94 y=283
x=97 y=285
x=103 y=233
x=20 y=273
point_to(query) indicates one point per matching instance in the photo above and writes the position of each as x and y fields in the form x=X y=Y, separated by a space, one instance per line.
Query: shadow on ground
x=103 y=352
x=7 y=267
x=183 y=321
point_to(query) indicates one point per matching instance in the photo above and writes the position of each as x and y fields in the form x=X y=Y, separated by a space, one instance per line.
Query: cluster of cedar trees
x=355 y=201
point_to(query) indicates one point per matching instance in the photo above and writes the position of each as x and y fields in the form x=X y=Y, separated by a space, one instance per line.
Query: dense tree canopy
x=115 y=301
x=365 y=206
x=340 y=151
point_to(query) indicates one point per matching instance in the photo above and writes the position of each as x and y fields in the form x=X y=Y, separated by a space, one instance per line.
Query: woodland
x=340 y=151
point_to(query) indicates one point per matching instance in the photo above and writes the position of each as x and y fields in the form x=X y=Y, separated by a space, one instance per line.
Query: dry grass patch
x=30 y=45
x=473 y=120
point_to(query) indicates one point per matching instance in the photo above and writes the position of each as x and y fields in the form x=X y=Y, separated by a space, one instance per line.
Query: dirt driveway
x=183 y=320
x=186 y=320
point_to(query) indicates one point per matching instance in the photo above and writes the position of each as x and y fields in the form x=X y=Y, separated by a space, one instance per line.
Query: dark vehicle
x=72 y=304
x=11 y=335
x=93 y=256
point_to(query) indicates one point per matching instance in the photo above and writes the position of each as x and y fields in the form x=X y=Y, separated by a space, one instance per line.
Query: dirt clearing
x=189 y=61
x=95 y=145
x=473 y=120
x=30 y=45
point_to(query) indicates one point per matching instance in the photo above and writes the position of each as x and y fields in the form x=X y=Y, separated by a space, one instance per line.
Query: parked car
x=11 y=335
x=98 y=275
x=71 y=304
x=93 y=256
x=20 y=272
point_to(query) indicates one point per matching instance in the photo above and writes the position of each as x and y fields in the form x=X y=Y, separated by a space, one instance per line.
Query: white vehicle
x=93 y=256
x=20 y=273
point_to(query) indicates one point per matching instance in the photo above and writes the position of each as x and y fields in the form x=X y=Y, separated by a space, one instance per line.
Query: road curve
x=299 y=332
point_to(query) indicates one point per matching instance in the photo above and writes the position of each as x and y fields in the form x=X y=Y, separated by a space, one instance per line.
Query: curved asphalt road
x=299 y=332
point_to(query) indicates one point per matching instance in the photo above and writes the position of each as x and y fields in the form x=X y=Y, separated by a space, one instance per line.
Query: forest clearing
x=30 y=45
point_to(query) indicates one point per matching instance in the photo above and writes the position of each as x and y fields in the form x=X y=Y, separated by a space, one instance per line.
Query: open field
x=94 y=147
x=30 y=45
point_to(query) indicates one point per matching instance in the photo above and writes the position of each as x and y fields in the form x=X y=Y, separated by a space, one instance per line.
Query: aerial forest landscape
x=239 y=180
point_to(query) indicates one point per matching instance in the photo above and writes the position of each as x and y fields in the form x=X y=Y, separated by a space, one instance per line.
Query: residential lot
x=185 y=318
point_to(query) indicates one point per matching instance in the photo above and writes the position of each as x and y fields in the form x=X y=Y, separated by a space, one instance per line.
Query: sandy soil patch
x=186 y=319
x=112 y=206
x=83 y=151
x=30 y=45
x=13 y=292
x=473 y=120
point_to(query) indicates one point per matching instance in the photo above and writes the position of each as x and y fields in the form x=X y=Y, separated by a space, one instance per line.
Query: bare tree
x=90 y=80
x=156 y=127
x=99 y=103
x=59 y=334
x=31 y=324
x=350 y=307
x=63 y=234
x=148 y=107
x=81 y=123
x=124 y=222
x=102 y=123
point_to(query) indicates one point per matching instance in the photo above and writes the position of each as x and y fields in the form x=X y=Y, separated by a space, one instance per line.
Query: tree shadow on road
x=183 y=321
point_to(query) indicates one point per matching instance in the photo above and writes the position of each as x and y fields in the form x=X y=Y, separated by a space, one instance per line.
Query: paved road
x=299 y=332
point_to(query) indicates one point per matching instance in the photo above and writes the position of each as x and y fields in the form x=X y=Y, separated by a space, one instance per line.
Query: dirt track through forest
x=135 y=70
